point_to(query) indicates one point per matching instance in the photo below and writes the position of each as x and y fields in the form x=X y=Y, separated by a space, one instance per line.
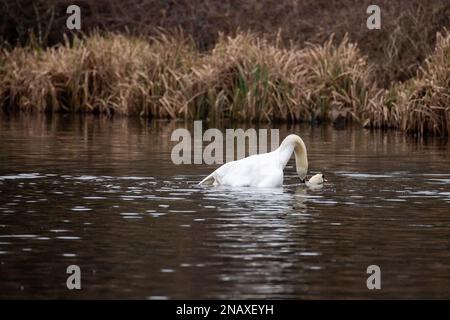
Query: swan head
x=317 y=179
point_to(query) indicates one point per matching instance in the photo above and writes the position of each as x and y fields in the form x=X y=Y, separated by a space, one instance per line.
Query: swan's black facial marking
x=302 y=180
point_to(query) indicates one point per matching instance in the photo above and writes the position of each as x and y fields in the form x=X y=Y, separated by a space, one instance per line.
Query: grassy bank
x=244 y=77
x=421 y=104
x=408 y=26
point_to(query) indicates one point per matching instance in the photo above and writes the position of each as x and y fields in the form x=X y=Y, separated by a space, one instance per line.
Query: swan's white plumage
x=262 y=170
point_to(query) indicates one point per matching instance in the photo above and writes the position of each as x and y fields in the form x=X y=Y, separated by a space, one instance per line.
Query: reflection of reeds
x=244 y=78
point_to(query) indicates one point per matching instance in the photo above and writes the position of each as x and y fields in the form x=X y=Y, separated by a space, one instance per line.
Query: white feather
x=262 y=170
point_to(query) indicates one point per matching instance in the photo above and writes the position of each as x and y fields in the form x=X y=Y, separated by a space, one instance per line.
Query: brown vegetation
x=213 y=70
x=244 y=78
x=407 y=36
x=421 y=104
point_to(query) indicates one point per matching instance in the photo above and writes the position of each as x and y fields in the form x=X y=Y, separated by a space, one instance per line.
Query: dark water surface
x=103 y=194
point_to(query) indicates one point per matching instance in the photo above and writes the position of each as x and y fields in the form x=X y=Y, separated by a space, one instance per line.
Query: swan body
x=262 y=170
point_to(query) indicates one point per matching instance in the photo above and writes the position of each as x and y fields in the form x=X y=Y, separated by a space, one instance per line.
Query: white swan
x=262 y=170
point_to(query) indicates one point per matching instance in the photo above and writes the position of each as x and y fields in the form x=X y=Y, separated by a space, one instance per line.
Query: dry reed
x=244 y=77
x=422 y=104
x=105 y=74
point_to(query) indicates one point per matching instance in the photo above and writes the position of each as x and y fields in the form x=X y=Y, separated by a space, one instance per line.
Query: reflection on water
x=103 y=194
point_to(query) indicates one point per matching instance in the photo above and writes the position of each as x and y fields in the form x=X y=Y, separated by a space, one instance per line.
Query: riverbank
x=244 y=77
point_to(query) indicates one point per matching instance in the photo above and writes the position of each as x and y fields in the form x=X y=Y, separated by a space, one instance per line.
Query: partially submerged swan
x=262 y=170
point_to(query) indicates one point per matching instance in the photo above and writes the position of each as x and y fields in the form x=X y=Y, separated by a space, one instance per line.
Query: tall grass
x=244 y=77
x=407 y=25
x=105 y=74
x=422 y=104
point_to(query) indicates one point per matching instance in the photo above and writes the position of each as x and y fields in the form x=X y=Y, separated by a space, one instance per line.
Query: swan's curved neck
x=290 y=144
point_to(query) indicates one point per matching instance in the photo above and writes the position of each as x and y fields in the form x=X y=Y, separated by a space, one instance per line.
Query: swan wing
x=212 y=180
x=215 y=178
